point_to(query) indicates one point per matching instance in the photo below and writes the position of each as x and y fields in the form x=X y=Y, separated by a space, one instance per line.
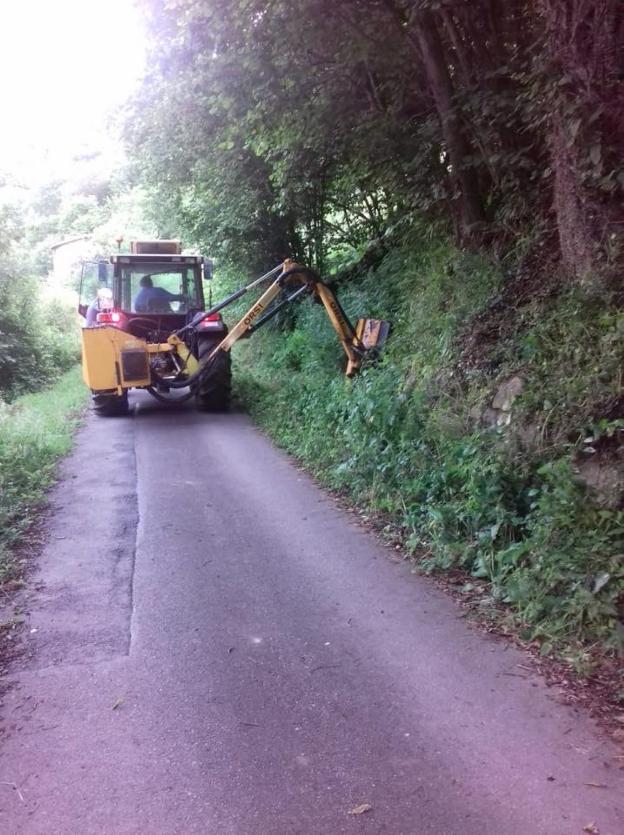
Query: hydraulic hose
x=232 y=298
x=181 y=384
x=299 y=270
x=170 y=401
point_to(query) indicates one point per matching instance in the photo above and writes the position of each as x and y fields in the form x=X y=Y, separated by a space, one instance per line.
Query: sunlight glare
x=65 y=66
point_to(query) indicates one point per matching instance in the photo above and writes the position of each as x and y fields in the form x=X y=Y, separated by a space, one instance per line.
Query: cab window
x=176 y=280
x=94 y=277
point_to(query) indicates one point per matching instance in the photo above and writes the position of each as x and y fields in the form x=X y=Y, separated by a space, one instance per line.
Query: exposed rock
x=604 y=476
x=529 y=435
x=489 y=417
x=507 y=393
x=499 y=413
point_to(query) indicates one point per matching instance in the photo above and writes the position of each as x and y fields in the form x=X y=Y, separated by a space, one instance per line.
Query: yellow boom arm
x=356 y=342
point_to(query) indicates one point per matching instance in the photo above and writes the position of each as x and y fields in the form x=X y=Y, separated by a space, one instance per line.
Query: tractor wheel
x=215 y=387
x=110 y=405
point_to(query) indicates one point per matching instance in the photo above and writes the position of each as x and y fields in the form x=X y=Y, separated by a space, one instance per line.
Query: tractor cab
x=155 y=289
x=146 y=327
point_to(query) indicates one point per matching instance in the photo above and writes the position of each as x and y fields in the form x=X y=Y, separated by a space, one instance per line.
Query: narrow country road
x=213 y=647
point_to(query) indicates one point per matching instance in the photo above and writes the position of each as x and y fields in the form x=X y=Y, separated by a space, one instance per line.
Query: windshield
x=158 y=288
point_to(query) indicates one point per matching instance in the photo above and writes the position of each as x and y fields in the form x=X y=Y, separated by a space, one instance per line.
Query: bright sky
x=64 y=65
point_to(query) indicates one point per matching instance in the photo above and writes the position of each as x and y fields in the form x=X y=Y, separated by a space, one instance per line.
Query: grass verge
x=35 y=431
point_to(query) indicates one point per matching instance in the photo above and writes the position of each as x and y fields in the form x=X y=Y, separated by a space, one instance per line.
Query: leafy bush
x=38 y=339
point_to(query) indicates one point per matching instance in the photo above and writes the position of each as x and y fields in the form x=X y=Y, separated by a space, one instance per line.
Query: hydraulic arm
x=291 y=280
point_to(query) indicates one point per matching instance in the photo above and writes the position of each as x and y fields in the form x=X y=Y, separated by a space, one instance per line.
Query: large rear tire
x=215 y=386
x=110 y=405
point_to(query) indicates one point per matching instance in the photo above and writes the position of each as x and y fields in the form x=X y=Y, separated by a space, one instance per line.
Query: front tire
x=215 y=386
x=110 y=405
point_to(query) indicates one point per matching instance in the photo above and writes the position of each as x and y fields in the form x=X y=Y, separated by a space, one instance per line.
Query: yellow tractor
x=147 y=326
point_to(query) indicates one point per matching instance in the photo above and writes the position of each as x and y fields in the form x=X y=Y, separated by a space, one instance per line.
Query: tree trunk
x=584 y=41
x=421 y=30
x=457 y=145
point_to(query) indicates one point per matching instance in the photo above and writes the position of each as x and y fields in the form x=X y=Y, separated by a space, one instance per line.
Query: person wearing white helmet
x=103 y=301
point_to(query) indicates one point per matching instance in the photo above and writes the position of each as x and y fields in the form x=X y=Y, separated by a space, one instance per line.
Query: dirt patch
x=535 y=280
x=600 y=461
x=603 y=474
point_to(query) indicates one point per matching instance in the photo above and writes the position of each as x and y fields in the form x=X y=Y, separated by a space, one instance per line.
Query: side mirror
x=207 y=269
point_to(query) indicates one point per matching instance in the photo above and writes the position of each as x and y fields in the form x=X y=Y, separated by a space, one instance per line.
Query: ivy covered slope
x=498 y=454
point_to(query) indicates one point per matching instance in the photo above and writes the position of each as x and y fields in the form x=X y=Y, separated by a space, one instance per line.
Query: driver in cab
x=152 y=299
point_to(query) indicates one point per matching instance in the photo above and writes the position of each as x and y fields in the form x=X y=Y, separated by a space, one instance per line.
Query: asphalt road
x=213 y=647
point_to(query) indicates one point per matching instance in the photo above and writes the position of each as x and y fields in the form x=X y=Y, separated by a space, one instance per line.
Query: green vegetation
x=35 y=431
x=39 y=337
x=409 y=441
x=303 y=127
x=39 y=333
x=455 y=167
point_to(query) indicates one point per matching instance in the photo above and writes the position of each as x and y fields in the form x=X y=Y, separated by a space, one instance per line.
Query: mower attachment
x=372 y=333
